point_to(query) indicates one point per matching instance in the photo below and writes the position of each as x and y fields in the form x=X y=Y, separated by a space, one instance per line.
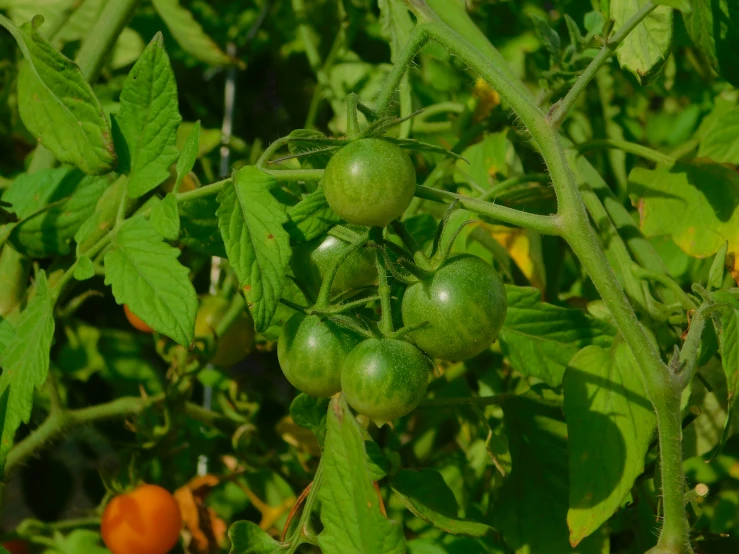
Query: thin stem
x=667 y=281
x=559 y=111
x=352 y=121
x=103 y=35
x=383 y=288
x=629 y=147
x=545 y=224
x=324 y=294
x=202 y=192
x=298 y=538
x=57 y=424
x=418 y=38
x=271 y=149
x=503 y=186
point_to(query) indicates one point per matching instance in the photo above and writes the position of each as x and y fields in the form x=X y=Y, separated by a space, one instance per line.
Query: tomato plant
x=146 y=520
x=376 y=276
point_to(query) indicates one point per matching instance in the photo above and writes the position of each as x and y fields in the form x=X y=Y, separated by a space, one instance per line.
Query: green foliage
x=582 y=153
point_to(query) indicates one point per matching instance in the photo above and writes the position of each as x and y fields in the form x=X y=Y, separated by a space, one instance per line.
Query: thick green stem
x=575 y=227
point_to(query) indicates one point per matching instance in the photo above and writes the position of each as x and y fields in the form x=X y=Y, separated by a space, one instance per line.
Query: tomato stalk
x=572 y=223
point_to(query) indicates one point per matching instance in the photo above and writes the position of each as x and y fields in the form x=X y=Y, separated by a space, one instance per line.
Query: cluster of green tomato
x=454 y=311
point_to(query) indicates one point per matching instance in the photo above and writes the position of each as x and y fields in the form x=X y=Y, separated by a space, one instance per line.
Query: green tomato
x=385 y=379
x=369 y=182
x=238 y=340
x=311 y=262
x=311 y=351
x=465 y=304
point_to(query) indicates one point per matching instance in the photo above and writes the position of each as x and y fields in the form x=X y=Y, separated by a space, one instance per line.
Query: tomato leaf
x=728 y=333
x=531 y=508
x=350 y=510
x=144 y=273
x=189 y=154
x=25 y=363
x=247 y=538
x=165 y=218
x=310 y=412
x=719 y=133
x=693 y=202
x=426 y=494
x=540 y=338
x=644 y=51
x=714 y=27
x=310 y=218
x=85 y=269
x=190 y=35
x=251 y=223
x=52 y=204
x=146 y=127
x=58 y=106
x=611 y=424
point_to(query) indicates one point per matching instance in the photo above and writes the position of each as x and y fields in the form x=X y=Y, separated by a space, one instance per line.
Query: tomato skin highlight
x=369 y=182
x=385 y=379
x=136 y=321
x=465 y=304
x=311 y=262
x=311 y=352
x=16 y=546
x=144 y=521
x=237 y=342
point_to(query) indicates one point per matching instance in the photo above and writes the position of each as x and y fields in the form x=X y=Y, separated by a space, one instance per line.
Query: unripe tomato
x=16 y=546
x=136 y=321
x=385 y=379
x=465 y=304
x=237 y=342
x=144 y=521
x=369 y=182
x=311 y=262
x=311 y=351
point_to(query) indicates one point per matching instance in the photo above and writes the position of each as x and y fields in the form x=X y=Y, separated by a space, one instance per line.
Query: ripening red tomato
x=16 y=546
x=136 y=321
x=146 y=520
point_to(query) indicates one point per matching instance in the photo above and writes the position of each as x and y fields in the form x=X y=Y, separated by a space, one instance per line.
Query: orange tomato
x=144 y=521
x=136 y=321
x=16 y=546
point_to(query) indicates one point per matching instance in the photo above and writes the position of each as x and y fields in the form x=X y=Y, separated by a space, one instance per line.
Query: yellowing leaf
x=518 y=243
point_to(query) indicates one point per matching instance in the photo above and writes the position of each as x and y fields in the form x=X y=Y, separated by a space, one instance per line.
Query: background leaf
x=25 y=363
x=644 y=51
x=148 y=120
x=58 y=105
x=540 y=339
x=247 y=538
x=714 y=27
x=144 y=273
x=310 y=218
x=250 y=220
x=610 y=424
x=693 y=202
x=190 y=35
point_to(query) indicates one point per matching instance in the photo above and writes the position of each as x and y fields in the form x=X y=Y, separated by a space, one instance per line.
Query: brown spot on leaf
x=270 y=236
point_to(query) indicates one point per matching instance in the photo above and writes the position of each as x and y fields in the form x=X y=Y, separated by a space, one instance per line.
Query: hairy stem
x=572 y=221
